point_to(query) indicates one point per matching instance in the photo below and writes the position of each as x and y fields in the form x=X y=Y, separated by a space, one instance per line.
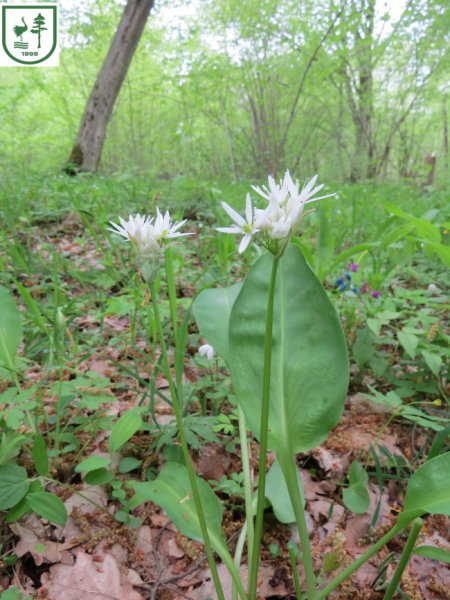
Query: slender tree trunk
x=87 y=150
x=227 y=135
x=444 y=116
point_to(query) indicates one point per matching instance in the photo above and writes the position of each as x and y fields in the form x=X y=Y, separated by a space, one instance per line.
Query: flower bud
x=60 y=319
x=150 y=267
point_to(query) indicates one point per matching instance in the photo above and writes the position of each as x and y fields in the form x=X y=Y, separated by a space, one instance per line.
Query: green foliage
x=11 y=332
x=13 y=485
x=356 y=497
x=277 y=493
x=48 y=506
x=123 y=429
x=434 y=553
x=428 y=490
x=309 y=376
x=212 y=310
x=173 y=492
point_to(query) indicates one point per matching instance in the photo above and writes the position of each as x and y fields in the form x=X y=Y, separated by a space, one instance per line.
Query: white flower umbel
x=208 y=350
x=248 y=226
x=274 y=226
x=148 y=239
x=164 y=229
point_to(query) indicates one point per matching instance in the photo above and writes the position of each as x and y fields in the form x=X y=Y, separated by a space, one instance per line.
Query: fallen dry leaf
x=88 y=580
x=265 y=590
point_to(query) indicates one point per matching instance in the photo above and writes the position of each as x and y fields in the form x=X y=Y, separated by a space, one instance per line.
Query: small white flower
x=432 y=288
x=148 y=239
x=164 y=229
x=138 y=231
x=247 y=226
x=208 y=350
x=281 y=228
x=277 y=194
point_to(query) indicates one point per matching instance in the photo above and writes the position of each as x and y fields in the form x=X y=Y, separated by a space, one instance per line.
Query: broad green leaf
x=310 y=370
x=356 y=498
x=357 y=474
x=13 y=485
x=395 y=210
x=330 y=562
x=123 y=429
x=92 y=464
x=433 y=552
x=361 y=353
x=438 y=443
x=40 y=456
x=427 y=231
x=443 y=252
x=48 y=506
x=11 y=332
x=129 y=464
x=375 y=325
x=173 y=492
x=278 y=495
x=17 y=511
x=428 y=490
x=98 y=477
x=174 y=453
x=212 y=309
x=409 y=342
x=434 y=361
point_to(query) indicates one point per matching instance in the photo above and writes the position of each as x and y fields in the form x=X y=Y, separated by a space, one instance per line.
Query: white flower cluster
x=148 y=239
x=274 y=226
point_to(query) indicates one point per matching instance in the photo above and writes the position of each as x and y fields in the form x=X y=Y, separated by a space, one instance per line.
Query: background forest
x=241 y=88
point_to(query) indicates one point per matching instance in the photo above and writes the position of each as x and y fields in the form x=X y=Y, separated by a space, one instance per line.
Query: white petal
x=233 y=214
x=320 y=198
x=259 y=191
x=309 y=186
x=244 y=242
x=248 y=209
x=261 y=216
x=229 y=229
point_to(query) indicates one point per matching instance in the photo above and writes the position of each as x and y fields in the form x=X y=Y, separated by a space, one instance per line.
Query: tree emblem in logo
x=29 y=33
x=39 y=23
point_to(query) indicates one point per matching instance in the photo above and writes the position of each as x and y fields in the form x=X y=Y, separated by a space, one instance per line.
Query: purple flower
x=375 y=294
x=354 y=268
x=364 y=288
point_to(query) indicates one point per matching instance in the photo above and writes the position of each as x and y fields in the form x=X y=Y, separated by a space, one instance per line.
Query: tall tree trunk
x=87 y=150
x=363 y=164
x=444 y=116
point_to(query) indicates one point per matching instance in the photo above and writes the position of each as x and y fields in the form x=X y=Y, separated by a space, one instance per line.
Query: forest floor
x=110 y=351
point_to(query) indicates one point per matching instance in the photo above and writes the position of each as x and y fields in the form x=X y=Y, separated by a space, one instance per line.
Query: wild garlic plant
x=283 y=343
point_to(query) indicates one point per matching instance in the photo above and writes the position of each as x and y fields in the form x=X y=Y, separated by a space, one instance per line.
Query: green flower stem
x=238 y=556
x=248 y=492
x=404 y=559
x=289 y=468
x=187 y=458
x=298 y=591
x=322 y=594
x=170 y=275
x=263 y=435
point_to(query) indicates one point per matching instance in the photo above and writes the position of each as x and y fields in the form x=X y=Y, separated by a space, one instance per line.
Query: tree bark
x=88 y=147
x=444 y=116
